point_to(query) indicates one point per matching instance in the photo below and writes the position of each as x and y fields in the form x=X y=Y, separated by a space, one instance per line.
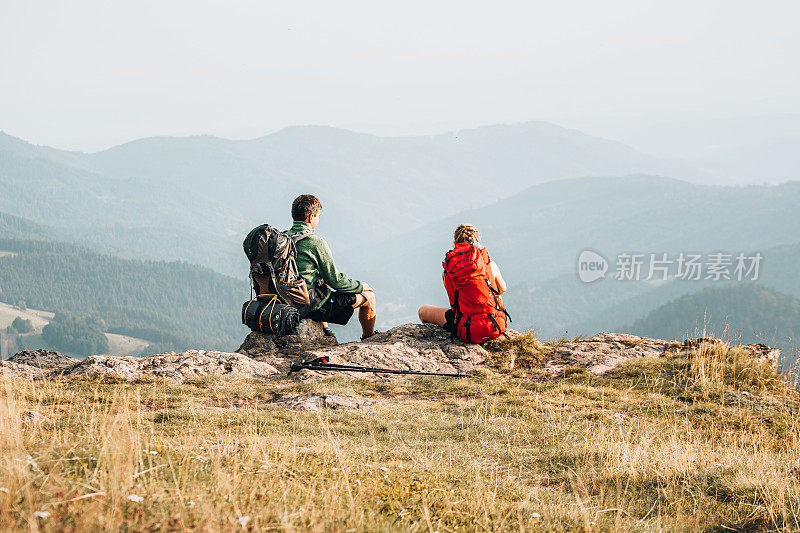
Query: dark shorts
x=450 y=321
x=337 y=309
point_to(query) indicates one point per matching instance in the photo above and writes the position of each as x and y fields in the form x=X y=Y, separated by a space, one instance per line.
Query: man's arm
x=331 y=275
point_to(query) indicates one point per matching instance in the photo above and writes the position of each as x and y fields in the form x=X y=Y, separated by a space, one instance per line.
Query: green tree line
x=174 y=305
x=740 y=313
x=77 y=334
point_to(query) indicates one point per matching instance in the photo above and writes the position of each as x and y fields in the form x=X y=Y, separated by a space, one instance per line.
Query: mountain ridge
x=747 y=313
x=206 y=188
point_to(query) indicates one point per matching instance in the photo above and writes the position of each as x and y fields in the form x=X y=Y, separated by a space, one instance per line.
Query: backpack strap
x=244 y=311
x=497 y=305
x=456 y=315
x=496 y=325
x=274 y=278
x=297 y=237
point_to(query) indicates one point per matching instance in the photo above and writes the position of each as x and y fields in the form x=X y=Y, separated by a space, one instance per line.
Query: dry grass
x=521 y=351
x=665 y=444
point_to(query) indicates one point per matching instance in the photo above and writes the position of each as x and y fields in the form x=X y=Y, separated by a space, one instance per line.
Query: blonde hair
x=466 y=233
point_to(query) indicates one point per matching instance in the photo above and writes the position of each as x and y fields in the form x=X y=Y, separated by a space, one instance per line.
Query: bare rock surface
x=280 y=352
x=191 y=364
x=419 y=347
x=33 y=416
x=10 y=369
x=761 y=353
x=35 y=363
x=44 y=359
x=605 y=351
x=318 y=402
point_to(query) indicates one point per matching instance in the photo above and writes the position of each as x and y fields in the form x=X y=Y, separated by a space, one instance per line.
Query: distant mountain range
x=537 y=235
x=539 y=193
x=192 y=198
x=756 y=149
x=565 y=305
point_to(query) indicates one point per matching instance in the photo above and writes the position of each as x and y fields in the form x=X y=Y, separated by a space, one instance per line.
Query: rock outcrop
x=10 y=369
x=418 y=347
x=44 y=359
x=192 y=364
x=605 y=351
x=318 y=402
x=33 y=363
x=280 y=352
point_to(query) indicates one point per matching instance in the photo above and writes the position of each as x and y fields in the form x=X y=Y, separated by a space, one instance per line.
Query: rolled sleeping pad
x=270 y=315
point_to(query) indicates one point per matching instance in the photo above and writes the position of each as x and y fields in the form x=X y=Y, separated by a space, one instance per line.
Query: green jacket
x=315 y=261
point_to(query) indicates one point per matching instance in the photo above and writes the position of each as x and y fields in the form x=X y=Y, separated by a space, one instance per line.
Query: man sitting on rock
x=339 y=295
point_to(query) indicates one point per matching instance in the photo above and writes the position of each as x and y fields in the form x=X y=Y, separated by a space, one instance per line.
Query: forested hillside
x=204 y=193
x=13 y=227
x=193 y=198
x=536 y=237
x=744 y=313
x=172 y=304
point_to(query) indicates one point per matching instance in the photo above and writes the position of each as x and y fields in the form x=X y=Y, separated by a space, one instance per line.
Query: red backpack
x=479 y=312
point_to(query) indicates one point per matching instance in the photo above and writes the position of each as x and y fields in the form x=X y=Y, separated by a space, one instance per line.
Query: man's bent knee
x=369 y=297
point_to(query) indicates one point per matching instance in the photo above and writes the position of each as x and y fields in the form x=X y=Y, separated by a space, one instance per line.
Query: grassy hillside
x=173 y=305
x=118 y=344
x=755 y=313
x=703 y=441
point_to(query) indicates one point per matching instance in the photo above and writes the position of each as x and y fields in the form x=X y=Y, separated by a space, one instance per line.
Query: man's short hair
x=304 y=206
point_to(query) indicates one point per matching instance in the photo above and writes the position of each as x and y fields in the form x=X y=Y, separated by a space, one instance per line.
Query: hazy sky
x=86 y=75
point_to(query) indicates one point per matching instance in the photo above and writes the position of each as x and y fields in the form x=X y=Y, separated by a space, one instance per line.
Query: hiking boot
x=365 y=337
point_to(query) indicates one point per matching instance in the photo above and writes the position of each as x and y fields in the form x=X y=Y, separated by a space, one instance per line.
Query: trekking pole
x=323 y=365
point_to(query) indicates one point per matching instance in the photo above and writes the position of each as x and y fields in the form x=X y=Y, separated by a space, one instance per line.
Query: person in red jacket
x=474 y=285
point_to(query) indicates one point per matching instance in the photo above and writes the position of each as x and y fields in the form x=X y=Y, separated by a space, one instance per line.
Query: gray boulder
x=605 y=351
x=44 y=359
x=318 y=402
x=282 y=351
x=192 y=364
x=419 y=347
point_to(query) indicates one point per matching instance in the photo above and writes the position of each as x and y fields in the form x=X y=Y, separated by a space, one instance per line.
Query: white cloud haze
x=85 y=75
